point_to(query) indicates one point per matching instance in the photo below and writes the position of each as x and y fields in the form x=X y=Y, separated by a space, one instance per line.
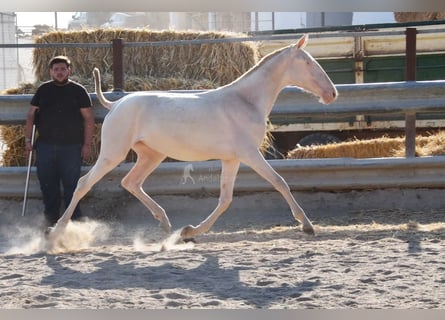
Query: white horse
x=227 y=123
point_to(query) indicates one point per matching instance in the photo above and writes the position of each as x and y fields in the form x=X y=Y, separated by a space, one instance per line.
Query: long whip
x=28 y=172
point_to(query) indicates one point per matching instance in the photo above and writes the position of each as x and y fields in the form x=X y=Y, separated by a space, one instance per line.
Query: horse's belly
x=192 y=148
x=199 y=153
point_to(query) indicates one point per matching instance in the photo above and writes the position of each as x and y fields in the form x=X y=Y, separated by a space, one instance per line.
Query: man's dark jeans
x=57 y=165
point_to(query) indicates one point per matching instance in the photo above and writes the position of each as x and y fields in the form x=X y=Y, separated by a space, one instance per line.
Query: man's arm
x=88 y=124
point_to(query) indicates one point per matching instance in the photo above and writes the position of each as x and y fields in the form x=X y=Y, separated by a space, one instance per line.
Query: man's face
x=60 y=72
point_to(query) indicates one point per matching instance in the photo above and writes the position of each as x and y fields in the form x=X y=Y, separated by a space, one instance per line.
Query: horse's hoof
x=187 y=240
x=309 y=230
x=48 y=231
x=166 y=227
x=187 y=232
x=52 y=233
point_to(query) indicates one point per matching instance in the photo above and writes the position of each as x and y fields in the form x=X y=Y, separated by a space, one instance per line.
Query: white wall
x=277 y=20
x=373 y=17
x=295 y=20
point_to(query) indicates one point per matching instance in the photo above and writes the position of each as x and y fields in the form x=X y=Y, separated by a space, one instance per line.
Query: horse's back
x=185 y=126
x=162 y=103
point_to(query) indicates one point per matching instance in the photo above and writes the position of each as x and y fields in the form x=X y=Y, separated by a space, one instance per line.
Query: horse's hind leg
x=102 y=166
x=257 y=162
x=228 y=176
x=147 y=161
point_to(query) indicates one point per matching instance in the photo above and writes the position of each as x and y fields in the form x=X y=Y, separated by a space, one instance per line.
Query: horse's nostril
x=334 y=94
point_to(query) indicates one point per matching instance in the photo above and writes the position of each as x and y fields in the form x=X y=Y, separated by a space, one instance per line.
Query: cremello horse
x=227 y=123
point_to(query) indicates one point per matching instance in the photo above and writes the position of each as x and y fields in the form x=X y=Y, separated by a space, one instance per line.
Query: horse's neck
x=261 y=86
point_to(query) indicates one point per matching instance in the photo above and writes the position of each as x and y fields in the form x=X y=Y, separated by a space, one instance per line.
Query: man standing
x=61 y=109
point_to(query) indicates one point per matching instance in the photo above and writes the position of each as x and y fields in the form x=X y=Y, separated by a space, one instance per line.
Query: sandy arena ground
x=371 y=259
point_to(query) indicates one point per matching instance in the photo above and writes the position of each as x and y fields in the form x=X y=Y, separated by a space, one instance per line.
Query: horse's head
x=306 y=73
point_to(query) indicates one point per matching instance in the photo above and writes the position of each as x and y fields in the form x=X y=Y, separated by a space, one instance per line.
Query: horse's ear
x=301 y=43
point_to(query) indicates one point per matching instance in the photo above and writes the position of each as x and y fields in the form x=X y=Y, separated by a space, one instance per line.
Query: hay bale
x=13 y=136
x=418 y=16
x=218 y=63
x=24 y=88
x=372 y=148
x=136 y=83
x=432 y=145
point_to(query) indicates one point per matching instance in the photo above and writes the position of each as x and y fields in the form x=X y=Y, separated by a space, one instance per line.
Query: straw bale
x=14 y=141
x=24 y=88
x=13 y=136
x=219 y=63
x=372 y=148
x=418 y=16
x=136 y=83
x=432 y=145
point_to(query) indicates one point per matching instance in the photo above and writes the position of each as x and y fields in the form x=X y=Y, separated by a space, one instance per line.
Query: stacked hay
x=13 y=137
x=373 y=148
x=433 y=145
x=418 y=16
x=218 y=63
x=180 y=67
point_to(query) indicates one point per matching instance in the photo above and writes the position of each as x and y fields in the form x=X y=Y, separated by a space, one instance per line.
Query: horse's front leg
x=228 y=176
x=257 y=162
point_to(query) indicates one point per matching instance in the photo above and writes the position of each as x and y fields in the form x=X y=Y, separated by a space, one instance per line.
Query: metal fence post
x=410 y=118
x=118 y=65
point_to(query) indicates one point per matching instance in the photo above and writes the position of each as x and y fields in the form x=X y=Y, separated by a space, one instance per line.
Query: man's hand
x=86 y=152
x=28 y=146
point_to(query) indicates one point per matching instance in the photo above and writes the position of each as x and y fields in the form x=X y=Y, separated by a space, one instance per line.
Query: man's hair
x=60 y=59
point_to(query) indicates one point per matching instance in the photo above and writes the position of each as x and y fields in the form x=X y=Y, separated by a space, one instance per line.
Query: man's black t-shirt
x=59 y=120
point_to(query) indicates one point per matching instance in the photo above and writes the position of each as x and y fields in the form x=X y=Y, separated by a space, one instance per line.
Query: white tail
x=103 y=101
